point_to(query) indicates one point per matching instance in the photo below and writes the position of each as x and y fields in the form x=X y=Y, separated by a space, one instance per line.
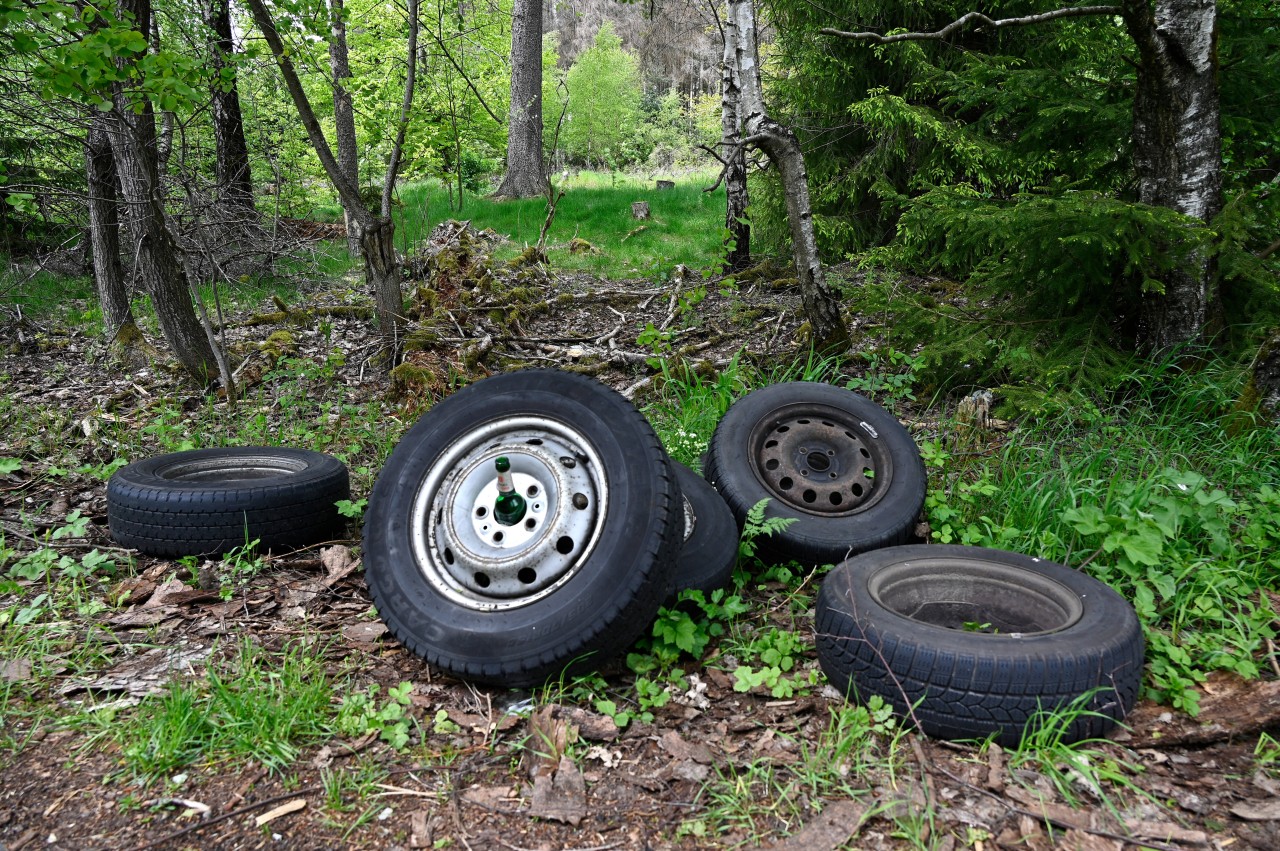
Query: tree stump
x=666 y=184
x=640 y=210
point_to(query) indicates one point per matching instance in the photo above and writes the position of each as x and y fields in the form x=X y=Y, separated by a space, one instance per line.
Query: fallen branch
x=972 y=18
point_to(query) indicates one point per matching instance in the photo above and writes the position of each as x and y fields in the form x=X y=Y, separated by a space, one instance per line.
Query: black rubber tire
x=599 y=608
x=710 y=550
x=1061 y=634
x=205 y=502
x=885 y=516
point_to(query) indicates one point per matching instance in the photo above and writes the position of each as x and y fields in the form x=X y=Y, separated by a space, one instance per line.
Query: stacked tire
x=612 y=529
x=963 y=642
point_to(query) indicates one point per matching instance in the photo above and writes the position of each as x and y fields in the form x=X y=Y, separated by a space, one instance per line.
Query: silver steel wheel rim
x=478 y=563
x=224 y=469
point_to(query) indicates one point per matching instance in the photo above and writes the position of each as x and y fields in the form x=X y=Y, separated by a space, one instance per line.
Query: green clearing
x=685 y=227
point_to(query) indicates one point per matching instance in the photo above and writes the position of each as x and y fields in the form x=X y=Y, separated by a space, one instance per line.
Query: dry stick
x=974 y=17
x=929 y=796
x=247 y=808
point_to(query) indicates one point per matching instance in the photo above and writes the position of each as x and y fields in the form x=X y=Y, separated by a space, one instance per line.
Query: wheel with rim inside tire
x=972 y=642
x=575 y=580
x=208 y=501
x=839 y=465
x=710 y=550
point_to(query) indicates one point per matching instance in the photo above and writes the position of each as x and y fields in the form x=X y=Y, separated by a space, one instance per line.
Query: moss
x=585 y=368
x=529 y=257
x=421 y=340
x=577 y=245
x=762 y=271
x=409 y=379
x=527 y=295
x=281 y=344
x=783 y=283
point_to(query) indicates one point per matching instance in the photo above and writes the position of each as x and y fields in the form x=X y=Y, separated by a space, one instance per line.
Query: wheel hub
x=476 y=561
x=818 y=460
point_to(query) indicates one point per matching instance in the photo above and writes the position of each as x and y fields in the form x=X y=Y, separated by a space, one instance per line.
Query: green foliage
x=239 y=565
x=254 y=707
x=1152 y=496
x=890 y=377
x=604 y=102
x=353 y=509
x=597 y=208
x=359 y=713
x=1070 y=767
x=756 y=524
x=774 y=654
x=687 y=628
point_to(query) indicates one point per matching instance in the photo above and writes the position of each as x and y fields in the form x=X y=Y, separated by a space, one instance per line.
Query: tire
x=867 y=493
x=710 y=550
x=573 y=584
x=205 y=502
x=903 y=623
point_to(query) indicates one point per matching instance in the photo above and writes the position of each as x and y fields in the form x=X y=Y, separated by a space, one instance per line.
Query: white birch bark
x=778 y=143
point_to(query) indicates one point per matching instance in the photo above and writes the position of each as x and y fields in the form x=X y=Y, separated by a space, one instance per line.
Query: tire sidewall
x=708 y=557
x=931 y=673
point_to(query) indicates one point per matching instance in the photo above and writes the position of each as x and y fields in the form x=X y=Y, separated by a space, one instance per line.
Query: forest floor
x=715 y=767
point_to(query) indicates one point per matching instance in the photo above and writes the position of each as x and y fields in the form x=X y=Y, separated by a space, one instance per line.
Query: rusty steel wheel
x=835 y=462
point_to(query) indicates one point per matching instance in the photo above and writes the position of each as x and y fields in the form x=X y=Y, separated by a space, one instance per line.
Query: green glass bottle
x=509 y=507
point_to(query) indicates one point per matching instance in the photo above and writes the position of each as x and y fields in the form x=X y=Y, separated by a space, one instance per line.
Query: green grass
x=257 y=706
x=685 y=227
x=44 y=295
x=1154 y=495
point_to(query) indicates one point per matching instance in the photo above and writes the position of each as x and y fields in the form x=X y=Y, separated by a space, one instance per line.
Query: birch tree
x=1176 y=137
x=779 y=144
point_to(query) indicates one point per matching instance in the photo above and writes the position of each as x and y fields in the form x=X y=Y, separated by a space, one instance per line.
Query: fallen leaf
x=562 y=796
x=681 y=749
x=1165 y=832
x=282 y=810
x=364 y=633
x=833 y=828
x=1258 y=810
x=338 y=563
x=15 y=670
x=159 y=597
x=489 y=797
x=1080 y=840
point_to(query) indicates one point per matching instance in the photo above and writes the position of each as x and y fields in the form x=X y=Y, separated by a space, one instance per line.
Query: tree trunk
x=344 y=117
x=1177 y=150
x=235 y=180
x=104 y=241
x=738 y=242
x=374 y=234
x=133 y=142
x=526 y=176
x=821 y=308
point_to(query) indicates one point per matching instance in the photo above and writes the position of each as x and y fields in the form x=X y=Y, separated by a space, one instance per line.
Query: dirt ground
x=715 y=768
